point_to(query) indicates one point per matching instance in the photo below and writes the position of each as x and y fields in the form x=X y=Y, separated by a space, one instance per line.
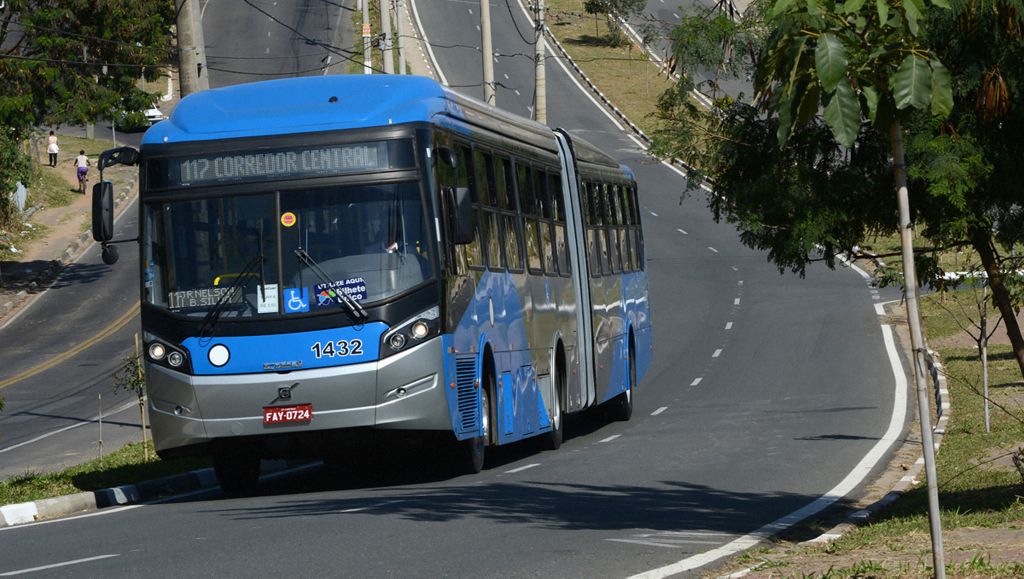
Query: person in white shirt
x=52 y=148
x=82 y=163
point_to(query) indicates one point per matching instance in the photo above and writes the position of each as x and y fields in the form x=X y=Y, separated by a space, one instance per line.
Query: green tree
x=808 y=163
x=613 y=9
x=73 y=61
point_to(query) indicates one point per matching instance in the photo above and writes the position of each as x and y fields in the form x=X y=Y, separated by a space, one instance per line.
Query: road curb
x=91 y=501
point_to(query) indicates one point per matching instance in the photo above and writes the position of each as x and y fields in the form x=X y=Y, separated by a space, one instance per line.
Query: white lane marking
x=696 y=381
x=659 y=411
x=506 y=77
x=681 y=231
x=736 y=302
x=845 y=486
x=268 y=34
x=522 y=468
x=610 y=438
x=267 y=51
x=713 y=249
x=92 y=420
x=734 y=268
x=728 y=325
x=676 y=15
x=517 y=92
x=739 y=282
x=862 y=273
x=470 y=10
x=880 y=308
x=641 y=144
x=62 y=564
x=653 y=213
x=718 y=352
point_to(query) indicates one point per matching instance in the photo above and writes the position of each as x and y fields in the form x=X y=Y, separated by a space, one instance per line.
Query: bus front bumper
x=403 y=391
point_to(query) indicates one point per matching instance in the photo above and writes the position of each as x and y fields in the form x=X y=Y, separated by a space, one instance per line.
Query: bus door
x=578 y=256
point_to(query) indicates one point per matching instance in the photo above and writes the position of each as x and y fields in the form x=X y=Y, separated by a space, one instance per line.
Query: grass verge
x=125 y=466
x=980 y=491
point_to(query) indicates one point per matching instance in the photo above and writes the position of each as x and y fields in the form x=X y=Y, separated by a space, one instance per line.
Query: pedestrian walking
x=52 y=148
x=82 y=164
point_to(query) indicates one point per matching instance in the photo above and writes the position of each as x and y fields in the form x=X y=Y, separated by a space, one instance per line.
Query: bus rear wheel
x=237 y=472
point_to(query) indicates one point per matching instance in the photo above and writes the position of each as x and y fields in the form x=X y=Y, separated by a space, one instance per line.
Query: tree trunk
x=982 y=242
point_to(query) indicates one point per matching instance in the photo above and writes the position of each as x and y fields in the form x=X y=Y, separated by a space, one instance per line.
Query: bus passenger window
x=524 y=180
x=492 y=240
x=549 y=254
x=472 y=253
x=513 y=237
x=503 y=184
x=564 y=267
x=533 y=251
x=483 y=173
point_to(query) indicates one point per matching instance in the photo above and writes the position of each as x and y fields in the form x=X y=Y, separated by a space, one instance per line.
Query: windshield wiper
x=343 y=299
x=210 y=320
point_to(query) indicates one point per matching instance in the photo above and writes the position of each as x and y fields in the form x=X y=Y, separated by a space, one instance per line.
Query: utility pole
x=400 y=23
x=191 y=49
x=385 y=26
x=367 y=51
x=488 y=51
x=540 y=98
x=917 y=345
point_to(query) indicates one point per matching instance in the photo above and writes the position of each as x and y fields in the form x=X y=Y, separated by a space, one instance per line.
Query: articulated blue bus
x=324 y=258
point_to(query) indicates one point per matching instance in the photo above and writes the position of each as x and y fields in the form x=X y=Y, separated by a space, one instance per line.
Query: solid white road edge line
x=854 y=478
x=609 y=439
x=522 y=468
x=63 y=564
x=426 y=41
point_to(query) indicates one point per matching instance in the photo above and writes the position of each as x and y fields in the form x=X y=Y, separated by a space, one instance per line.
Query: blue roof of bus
x=303 y=104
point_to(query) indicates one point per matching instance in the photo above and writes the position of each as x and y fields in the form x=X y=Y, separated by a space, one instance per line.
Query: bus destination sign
x=273 y=165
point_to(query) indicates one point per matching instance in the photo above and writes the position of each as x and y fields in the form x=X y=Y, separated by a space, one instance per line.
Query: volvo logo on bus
x=288 y=365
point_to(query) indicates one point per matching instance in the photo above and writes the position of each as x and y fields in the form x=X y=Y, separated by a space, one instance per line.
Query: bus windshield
x=369 y=242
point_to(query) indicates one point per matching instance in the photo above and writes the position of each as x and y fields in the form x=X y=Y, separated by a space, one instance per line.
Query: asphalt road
x=766 y=391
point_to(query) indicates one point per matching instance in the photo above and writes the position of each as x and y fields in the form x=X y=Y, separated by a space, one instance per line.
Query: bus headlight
x=157 y=351
x=416 y=329
x=420 y=330
x=160 y=352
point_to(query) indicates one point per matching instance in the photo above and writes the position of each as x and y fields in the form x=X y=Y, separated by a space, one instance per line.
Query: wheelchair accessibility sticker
x=296 y=300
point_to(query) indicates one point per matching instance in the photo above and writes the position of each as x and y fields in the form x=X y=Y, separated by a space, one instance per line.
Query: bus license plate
x=297 y=414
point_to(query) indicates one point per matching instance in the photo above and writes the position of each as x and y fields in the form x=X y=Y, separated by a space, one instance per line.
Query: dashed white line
x=696 y=381
x=610 y=438
x=522 y=468
x=676 y=15
x=506 y=77
x=682 y=231
x=718 y=352
x=713 y=249
x=736 y=302
x=734 y=268
x=61 y=564
x=517 y=92
x=659 y=411
x=653 y=213
x=740 y=282
x=728 y=325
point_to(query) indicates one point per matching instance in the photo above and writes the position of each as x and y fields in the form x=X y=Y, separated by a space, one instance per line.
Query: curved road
x=766 y=391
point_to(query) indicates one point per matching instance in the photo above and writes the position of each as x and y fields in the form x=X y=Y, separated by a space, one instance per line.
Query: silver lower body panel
x=404 y=391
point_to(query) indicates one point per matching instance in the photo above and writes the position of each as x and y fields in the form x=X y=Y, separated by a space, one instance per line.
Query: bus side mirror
x=460 y=207
x=103 y=211
x=446 y=156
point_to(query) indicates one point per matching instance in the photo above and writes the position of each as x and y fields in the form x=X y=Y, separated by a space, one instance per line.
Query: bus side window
x=491 y=237
x=527 y=200
x=540 y=180
x=561 y=242
x=554 y=195
x=513 y=236
x=614 y=242
x=626 y=230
